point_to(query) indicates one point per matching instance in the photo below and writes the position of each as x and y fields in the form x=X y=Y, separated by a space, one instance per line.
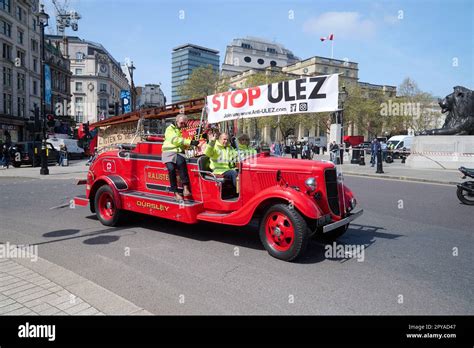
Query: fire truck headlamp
x=353 y=203
x=311 y=184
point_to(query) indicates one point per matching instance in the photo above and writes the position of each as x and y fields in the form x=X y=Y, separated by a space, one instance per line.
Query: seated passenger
x=245 y=150
x=222 y=156
x=172 y=156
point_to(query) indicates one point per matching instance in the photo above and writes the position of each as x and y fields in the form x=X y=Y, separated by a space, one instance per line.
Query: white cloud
x=344 y=25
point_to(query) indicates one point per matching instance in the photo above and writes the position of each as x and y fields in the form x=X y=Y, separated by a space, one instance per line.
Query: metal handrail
x=205 y=172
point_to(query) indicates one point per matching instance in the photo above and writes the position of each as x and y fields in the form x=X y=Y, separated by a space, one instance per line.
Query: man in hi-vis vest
x=172 y=156
x=222 y=157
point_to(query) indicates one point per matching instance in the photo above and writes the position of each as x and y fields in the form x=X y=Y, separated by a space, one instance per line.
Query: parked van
x=401 y=141
x=73 y=149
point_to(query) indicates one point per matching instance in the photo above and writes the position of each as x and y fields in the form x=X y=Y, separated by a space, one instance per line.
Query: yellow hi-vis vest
x=174 y=141
x=246 y=151
x=222 y=158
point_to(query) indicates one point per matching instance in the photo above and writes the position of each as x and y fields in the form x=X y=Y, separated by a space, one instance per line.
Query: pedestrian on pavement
x=5 y=156
x=373 y=154
x=305 y=151
x=277 y=149
x=293 y=150
x=376 y=149
x=334 y=152
x=61 y=155
x=298 y=149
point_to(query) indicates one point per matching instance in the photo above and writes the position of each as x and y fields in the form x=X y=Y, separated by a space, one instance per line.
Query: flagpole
x=332 y=49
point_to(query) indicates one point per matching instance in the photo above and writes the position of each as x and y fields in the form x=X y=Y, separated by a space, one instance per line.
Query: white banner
x=310 y=94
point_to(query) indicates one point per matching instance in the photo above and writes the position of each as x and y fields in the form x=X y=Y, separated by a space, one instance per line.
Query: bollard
x=379 y=162
x=355 y=156
x=362 y=158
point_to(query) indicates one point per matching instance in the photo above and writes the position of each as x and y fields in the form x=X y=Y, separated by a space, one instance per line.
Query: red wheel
x=279 y=231
x=106 y=207
x=283 y=232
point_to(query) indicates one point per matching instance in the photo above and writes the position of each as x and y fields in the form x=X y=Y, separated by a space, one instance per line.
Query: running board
x=212 y=217
x=160 y=198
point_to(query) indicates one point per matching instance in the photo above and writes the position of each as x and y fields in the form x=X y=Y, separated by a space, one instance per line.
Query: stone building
x=97 y=78
x=20 y=66
x=150 y=96
x=255 y=53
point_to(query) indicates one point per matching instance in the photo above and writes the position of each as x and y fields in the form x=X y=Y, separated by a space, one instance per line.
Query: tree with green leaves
x=202 y=82
x=417 y=108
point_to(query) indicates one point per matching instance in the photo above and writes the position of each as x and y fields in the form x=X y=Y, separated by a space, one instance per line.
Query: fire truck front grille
x=330 y=177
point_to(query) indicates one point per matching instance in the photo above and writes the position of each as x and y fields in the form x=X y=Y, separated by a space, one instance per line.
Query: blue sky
x=391 y=40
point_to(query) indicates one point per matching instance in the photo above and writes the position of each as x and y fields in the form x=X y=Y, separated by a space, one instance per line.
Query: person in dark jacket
x=5 y=156
x=373 y=151
x=293 y=150
x=334 y=152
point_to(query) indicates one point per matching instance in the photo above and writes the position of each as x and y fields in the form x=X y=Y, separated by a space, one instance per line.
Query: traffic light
x=112 y=109
x=50 y=120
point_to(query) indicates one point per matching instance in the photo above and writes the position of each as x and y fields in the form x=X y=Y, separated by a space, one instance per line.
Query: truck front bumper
x=347 y=220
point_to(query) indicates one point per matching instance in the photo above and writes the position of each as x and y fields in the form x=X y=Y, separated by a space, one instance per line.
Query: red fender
x=301 y=201
x=110 y=182
x=348 y=195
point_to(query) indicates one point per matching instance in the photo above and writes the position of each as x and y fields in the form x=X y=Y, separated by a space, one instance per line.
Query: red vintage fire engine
x=294 y=200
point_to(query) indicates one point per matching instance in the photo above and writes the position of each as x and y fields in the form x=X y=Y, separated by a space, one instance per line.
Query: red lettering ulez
x=237 y=98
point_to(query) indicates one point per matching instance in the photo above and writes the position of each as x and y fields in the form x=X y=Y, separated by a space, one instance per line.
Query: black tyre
x=106 y=207
x=283 y=232
x=464 y=196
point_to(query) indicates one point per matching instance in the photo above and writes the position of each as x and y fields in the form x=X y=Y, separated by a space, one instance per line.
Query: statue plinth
x=442 y=152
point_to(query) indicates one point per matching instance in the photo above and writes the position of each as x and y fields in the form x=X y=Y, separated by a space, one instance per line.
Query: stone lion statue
x=460 y=108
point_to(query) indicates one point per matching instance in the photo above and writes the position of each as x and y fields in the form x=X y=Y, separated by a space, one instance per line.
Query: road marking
x=401 y=180
x=60 y=206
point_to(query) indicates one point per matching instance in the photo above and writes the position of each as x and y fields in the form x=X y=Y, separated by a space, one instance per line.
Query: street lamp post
x=43 y=22
x=343 y=95
x=131 y=68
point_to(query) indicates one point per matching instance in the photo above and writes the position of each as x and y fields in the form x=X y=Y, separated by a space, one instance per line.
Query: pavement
x=398 y=171
x=30 y=285
x=75 y=170
x=395 y=171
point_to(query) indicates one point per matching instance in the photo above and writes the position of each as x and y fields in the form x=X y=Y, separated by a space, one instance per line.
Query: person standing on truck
x=222 y=156
x=172 y=156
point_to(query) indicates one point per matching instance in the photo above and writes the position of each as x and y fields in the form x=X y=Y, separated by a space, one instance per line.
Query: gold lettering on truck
x=155 y=206
x=157 y=176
